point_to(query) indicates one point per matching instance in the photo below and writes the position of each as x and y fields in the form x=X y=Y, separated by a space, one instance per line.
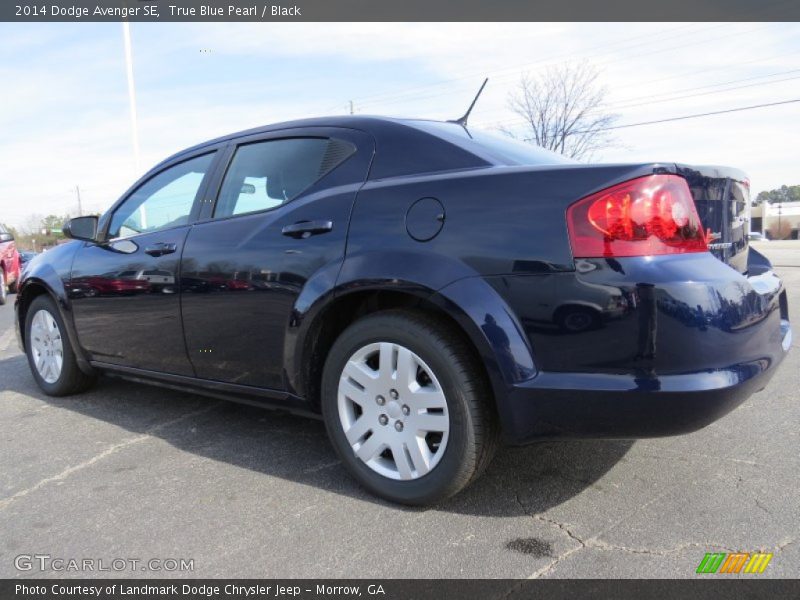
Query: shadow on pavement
x=297 y=449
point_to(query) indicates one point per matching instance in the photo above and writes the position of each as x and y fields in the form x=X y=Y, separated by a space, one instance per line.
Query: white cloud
x=64 y=114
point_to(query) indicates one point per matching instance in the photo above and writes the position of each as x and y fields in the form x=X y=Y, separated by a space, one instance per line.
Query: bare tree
x=782 y=232
x=563 y=109
x=32 y=225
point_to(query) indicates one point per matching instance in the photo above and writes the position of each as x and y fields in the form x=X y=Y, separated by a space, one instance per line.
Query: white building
x=769 y=219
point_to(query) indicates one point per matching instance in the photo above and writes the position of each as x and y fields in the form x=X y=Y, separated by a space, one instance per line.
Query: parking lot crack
x=595 y=542
x=603 y=545
x=69 y=471
x=783 y=544
x=762 y=507
x=549 y=521
x=563 y=528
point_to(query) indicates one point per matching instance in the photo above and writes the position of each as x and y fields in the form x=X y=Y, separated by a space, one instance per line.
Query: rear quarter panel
x=498 y=221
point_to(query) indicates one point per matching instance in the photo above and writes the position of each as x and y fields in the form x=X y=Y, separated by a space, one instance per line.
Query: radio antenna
x=463 y=120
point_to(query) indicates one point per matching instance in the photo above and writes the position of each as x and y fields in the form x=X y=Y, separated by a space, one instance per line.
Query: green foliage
x=785 y=193
x=53 y=221
x=30 y=236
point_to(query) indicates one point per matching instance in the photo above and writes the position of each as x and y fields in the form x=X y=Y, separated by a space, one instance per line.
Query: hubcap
x=578 y=321
x=393 y=411
x=46 y=346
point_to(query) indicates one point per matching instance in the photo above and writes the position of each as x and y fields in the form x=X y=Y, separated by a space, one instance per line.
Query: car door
x=281 y=215
x=122 y=317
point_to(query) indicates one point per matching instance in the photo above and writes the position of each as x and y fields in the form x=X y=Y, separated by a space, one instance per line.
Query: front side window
x=163 y=201
x=264 y=175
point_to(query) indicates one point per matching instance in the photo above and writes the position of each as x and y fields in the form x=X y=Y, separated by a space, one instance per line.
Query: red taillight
x=649 y=215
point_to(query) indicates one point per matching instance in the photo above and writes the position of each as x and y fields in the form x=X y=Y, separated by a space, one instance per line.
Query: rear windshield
x=497 y=147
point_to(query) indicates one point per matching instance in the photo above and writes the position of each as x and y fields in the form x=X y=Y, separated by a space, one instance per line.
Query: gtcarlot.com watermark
x=48 y=563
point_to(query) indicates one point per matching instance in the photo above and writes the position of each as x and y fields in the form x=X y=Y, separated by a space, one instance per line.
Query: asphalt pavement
x=129 y=472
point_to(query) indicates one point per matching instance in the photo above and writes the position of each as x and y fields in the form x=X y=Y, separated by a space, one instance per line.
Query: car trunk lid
x=722 y=196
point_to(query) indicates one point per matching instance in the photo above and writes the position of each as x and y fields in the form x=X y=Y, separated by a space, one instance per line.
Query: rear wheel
x=3 y=288
x=50 y=355
x=407 y=408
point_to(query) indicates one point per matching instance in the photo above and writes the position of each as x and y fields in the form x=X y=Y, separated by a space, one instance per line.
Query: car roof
x=404 y=146
x=374 y=125
x=394 y=138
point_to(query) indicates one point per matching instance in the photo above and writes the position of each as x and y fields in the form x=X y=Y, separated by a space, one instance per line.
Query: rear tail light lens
x=645 y=216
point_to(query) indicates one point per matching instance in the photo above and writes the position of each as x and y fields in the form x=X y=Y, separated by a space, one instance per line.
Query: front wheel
x=50 y=355
x=407 y=407
x=3 y=288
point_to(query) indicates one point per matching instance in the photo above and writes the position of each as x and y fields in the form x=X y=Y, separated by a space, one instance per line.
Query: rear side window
x=264 y=175
x=498 y=147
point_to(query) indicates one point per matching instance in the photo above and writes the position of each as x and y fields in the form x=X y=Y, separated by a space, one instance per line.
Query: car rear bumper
x=696 y=339
x=577 y=405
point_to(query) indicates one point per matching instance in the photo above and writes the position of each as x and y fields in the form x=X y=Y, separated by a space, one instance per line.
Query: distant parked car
x=111 y=283
x=158 y=280
x=26 y=256
x=9 y=264
x=755 y=236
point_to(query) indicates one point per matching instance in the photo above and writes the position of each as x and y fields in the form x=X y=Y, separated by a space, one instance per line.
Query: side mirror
x=6 y=237
x=81 y=228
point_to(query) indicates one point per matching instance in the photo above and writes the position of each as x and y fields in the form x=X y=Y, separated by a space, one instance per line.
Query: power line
x=711 y=85
x=377 y=98
x=683 y=74
x=729 y=89
x=658 y=98
x=695 y=116
x=411 y=95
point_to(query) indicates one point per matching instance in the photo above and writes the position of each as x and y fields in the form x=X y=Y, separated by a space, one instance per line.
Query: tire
x=45 y=342
x=574 y=319
x=448 y=430
x=3 y=288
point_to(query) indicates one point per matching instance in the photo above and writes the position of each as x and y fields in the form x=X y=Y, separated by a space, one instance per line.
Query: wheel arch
x=577 y=305
x=35 y=286
x=314 y=332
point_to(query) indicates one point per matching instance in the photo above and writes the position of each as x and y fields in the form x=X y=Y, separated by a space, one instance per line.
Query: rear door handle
x=160 y=249
x=304 y=229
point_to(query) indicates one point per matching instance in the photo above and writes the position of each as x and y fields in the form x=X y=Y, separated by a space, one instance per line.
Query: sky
x=65 y=113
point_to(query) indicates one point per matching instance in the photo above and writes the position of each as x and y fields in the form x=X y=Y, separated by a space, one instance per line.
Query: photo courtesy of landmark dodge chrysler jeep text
x=428 y=289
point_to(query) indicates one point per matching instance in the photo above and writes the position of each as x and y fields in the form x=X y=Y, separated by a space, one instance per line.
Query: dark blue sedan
x=428 y=289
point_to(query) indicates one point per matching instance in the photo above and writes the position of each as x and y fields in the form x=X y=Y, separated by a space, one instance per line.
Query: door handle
x=160 y=249
x=305 y=229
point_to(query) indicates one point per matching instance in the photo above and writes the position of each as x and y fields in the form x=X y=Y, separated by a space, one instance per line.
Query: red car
x=114 y=284
x=9 y=264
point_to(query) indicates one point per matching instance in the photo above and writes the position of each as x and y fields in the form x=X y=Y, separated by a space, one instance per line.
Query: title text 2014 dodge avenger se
x=428 y=289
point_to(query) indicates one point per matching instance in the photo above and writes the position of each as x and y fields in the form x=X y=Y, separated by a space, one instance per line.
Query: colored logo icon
x=735 y=562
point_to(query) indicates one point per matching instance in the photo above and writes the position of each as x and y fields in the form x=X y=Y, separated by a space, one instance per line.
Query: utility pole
x=78 y=193
x=126 y=38
x=352 y=111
